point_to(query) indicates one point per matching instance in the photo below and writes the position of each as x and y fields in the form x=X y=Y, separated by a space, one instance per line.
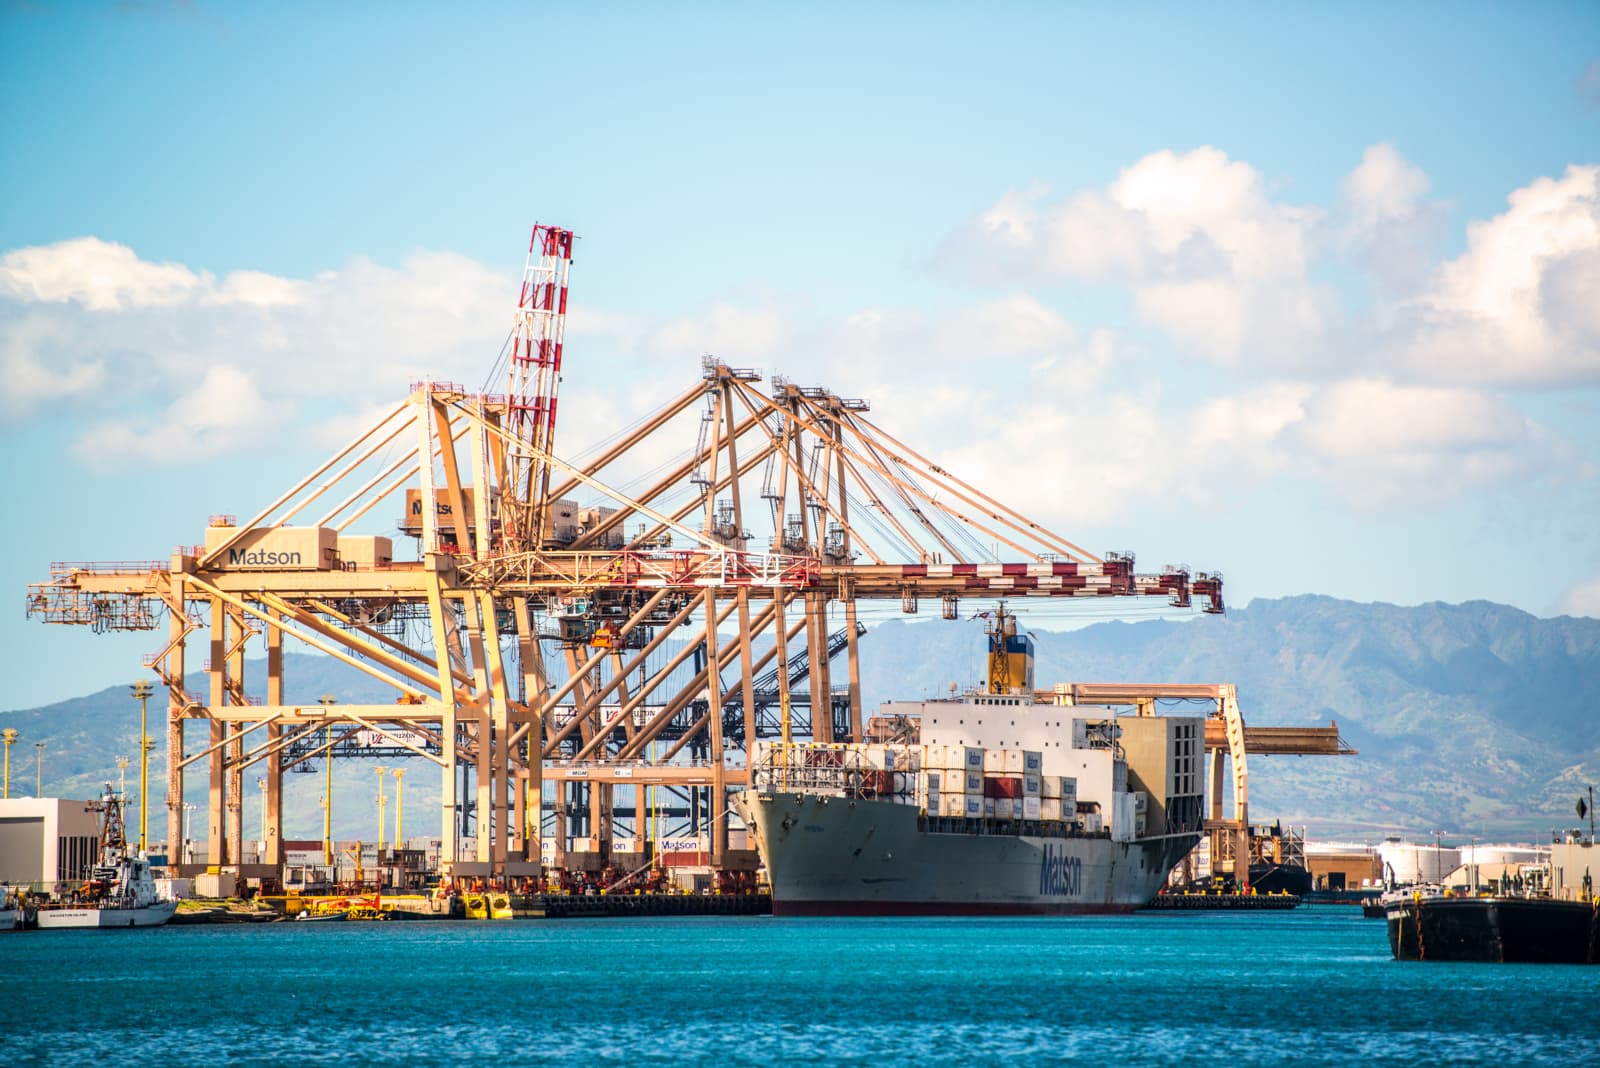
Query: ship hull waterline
x=78 y=918
x=838 y=856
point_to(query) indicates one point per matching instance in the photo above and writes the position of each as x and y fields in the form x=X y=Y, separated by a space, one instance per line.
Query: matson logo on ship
x=1060 y=875
x=262 y=558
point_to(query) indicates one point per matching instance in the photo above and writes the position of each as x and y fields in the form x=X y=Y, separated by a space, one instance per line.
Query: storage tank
x=1410 y=862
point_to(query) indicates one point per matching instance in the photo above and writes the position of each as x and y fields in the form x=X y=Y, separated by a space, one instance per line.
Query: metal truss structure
x=580 y=621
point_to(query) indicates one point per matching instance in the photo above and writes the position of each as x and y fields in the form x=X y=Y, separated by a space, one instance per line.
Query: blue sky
x=1304 y=295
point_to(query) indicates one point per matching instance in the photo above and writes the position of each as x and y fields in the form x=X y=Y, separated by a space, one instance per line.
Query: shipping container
x=971 y=757
x=988 y=808
x=1030 y=785
x=1050 y=808
x=1005 y=808
x=950 y=805
x=1069 y=790
x=877 y=756
x=274 y=548
x=444 y=511
x=1091 y=822
x=974 y=806
x=961 y=782
x=364 y=552
x=933 y=756
x=932 y=777
x=1031 y=808
x=994 y=762
x=1141 y=801
x=1014 y=761
x=1032 y=762
x=1050 y=787
x=1007 y=786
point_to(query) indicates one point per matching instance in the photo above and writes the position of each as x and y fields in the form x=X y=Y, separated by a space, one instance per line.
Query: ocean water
x=1309 y=987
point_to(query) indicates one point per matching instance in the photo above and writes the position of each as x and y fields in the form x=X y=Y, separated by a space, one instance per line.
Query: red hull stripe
x=942 y=908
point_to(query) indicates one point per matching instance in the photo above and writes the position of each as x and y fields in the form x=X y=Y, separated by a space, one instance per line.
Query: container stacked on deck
x=947 y=781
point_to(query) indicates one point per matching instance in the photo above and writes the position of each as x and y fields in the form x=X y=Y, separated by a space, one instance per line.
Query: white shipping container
x=1031 y=808
x=1050 y=808
x=1091 y=822
x=974 y=806
x=933 y=756
x=1030 y=787
x=971 y=757
x=1141 y=801
x=1032 y=762
x=1069 y=789
x=988 y=808
x=951 y=805
x=1050 y=787
x=994 y=762
x=1014 y=761
x=962 y=782
x=1005 y=808
x=933 y=779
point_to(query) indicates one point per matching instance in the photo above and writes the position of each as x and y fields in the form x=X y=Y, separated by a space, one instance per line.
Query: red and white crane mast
x=535 y=379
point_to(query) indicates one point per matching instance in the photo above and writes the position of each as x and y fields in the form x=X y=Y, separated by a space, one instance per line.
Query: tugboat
x=120 y=891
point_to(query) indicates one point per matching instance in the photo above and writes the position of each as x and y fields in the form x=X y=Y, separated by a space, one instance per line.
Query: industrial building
x=46 y=841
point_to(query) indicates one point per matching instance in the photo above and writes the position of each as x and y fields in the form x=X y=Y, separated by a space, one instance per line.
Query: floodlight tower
x=141 y=692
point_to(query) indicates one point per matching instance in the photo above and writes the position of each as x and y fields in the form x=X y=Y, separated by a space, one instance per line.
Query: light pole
x=399 y=803
x=261 y=784
x=327 y=798
x=38 y=770
x=9 y=735
x=1438 y=861
x=122 y=777
x=141 y=692
x=381 y=770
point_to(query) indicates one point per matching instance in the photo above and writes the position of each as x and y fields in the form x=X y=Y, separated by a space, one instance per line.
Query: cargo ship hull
x=835 y=855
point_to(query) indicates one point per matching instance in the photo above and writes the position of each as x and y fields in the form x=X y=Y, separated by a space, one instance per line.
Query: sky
x=1305 y=294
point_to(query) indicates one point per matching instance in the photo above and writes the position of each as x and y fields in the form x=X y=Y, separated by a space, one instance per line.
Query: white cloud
x=98 y=274
x=1582 y=599
x=90 y=332
x=1387 y=222
x=224 y=412
x=1235 y=276
x=725 y=331
x=1382 y=445
x=1212 y=259
x=1513 y=308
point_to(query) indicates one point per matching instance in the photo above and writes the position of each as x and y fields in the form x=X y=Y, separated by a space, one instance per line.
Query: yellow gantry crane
x=574 y=615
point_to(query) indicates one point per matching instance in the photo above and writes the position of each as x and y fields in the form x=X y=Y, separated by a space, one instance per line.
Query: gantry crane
x=575 y=615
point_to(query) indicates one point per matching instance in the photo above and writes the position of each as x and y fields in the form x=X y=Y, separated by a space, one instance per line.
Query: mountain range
x=1475 y=719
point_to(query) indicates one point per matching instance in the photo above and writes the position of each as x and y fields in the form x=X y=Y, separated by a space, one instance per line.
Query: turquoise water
x=1313 y=986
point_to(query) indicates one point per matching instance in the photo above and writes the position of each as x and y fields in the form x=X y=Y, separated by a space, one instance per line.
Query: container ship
x=1011 y=801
